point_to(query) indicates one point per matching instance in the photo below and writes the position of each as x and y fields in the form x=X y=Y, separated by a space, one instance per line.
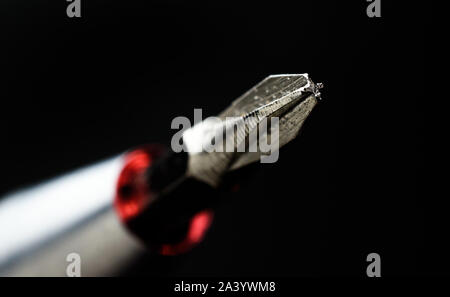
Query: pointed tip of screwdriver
x=287 y=97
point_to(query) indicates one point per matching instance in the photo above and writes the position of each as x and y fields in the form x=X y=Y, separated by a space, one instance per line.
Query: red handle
x=135 y=197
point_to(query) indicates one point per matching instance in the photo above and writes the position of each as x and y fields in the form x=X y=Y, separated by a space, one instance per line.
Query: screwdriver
x=163 y=196
x=167 y=198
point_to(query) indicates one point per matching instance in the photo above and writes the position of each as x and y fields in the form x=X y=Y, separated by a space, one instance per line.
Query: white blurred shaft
x=32 y=217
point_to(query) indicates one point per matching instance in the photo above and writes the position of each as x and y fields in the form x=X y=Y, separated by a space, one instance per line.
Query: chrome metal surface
x=288 y=97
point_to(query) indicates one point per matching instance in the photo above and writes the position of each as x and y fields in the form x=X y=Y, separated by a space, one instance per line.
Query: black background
x=74 y=91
